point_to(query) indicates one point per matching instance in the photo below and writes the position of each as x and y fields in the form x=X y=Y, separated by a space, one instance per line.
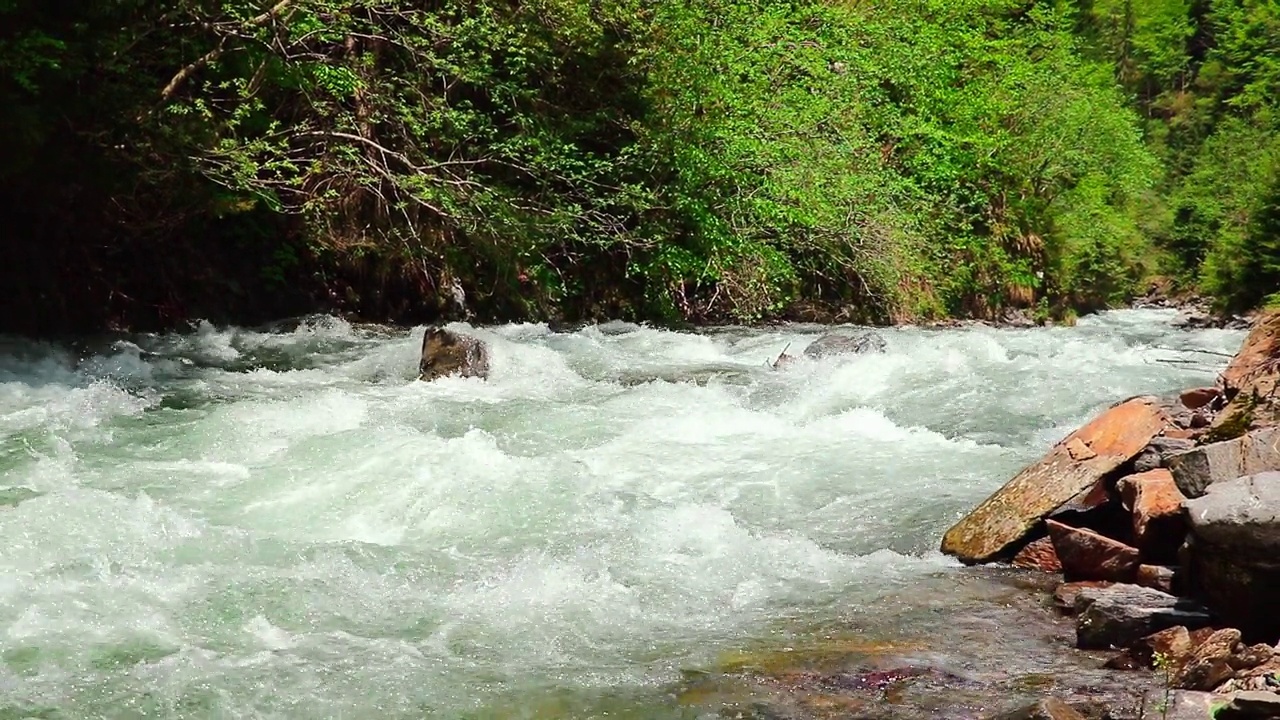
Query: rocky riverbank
x=1162 y=517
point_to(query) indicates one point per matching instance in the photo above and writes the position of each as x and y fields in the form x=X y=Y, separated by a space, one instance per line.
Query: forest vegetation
x=662 y=160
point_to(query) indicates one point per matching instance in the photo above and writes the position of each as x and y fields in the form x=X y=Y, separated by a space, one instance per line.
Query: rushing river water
x=237 y=524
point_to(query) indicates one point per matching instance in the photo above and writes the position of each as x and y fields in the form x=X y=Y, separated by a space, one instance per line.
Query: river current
x=230 y=523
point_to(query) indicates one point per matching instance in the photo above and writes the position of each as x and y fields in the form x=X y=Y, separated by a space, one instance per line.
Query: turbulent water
x=240 y=524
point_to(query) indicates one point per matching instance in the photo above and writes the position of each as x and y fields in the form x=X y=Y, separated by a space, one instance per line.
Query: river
x=238 y=524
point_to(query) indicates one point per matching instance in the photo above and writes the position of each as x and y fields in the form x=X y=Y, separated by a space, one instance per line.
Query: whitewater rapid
x=244 y=524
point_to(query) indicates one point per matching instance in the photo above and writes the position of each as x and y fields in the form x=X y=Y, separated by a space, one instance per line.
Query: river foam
x=233 y=523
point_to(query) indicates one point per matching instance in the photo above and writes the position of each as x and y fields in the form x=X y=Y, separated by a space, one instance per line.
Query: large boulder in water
x=448 y=353
x=1083 y=460
x=840 y=344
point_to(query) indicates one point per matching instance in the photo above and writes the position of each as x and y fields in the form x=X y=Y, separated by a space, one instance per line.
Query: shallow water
x=238 y=524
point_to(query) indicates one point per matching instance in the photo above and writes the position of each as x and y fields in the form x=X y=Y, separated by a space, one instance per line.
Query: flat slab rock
x=1117 y=615
x=1073 y=466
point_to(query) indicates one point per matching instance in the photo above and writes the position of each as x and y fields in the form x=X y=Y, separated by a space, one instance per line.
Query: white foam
x=290 y=520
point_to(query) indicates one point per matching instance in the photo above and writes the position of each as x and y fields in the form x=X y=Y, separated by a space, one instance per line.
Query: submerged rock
x=1233 y=552
x=445 y=353
x=1004 y=520
x=1051 y=709
x=839 y=344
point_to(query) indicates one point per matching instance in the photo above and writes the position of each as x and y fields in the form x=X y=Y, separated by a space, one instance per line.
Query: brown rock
x=1182 y=433
x=1156 y=577
x=1199 y=397
x=1065 y=596
x=1209 y=664
x=1078 y=450
x=1173 y=645
x=1038 y=555
x=1251 y=382
x=1251 y=657
x=1263 y=677
x=1086 y=555
x=1156 y=503
x=1005 y=518
x=445 y=352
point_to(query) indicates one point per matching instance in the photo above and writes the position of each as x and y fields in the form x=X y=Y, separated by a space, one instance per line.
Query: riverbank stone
x=1196 y=469
x=1232 y=556
x=1250 y=706
x=1000 y=525
x=1039 y=555
x=1155 y=502
x=1087 y=555
x=1116 y=616
x=446 y=353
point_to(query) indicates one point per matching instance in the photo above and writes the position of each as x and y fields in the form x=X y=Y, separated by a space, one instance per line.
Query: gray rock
x=1196 y=469
x=445 y=352
x=1251 y=706
x=1243 y=514
x=838 y=344
x=1179 y=705
x=1232 y=557
x=1117 y=615
x=1158 y=452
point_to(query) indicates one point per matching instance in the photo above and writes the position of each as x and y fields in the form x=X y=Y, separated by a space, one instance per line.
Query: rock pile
x=1163 y=517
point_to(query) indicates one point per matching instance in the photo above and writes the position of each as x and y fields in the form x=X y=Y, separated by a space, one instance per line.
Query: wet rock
x=1197 y=398
x=1208 y=665
x=1156 y=503
x=1051 y=709
x=445 y=353
x=1250 y=706
x=1156 y=577
x=1196 y=469
x=1116 y=616
x=839 y=344
x=1086 y=555
x=1038 y=555
x=1003 y=520
x=1064 y=597
x=1232 y=556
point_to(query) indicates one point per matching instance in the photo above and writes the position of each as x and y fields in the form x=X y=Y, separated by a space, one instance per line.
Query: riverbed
x=621 y=522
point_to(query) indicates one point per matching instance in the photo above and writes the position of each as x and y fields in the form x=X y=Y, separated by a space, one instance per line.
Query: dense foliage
x=879 y=160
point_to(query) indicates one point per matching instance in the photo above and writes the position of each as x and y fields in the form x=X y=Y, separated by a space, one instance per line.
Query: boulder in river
x=997 y=527
x=1196 y=469
x=445 y=352
x=1232 y=556
x=841 y=344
